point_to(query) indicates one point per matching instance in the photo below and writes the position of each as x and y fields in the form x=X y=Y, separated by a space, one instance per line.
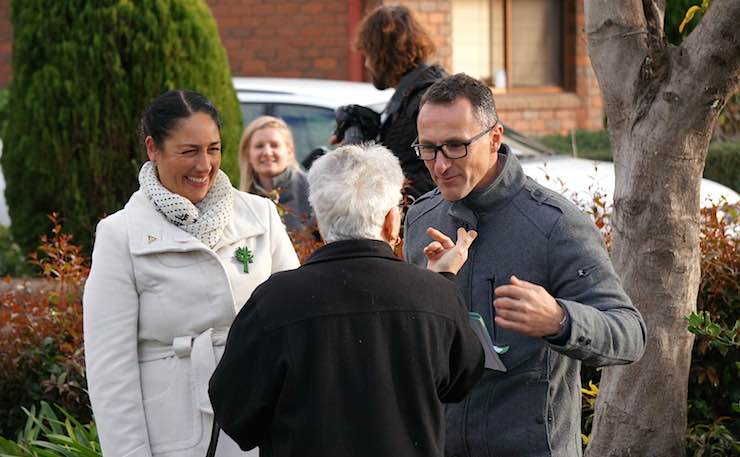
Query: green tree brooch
x=245 y=256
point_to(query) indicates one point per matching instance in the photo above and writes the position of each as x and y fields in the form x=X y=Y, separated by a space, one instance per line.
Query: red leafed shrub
x=41 y=334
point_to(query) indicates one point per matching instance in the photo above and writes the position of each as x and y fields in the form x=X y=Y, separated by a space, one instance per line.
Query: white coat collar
x=150 y=232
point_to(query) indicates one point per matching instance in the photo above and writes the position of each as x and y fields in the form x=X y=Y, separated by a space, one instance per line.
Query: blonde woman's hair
x=263 y=122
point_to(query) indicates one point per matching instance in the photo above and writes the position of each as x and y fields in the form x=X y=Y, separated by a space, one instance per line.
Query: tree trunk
x=661 y=103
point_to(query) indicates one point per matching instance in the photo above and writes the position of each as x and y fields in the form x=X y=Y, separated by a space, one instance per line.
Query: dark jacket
x=398 y=130
x=351 y=354
x=527 y=230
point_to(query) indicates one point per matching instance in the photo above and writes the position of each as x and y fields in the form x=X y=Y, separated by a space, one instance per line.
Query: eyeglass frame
x=440 y=147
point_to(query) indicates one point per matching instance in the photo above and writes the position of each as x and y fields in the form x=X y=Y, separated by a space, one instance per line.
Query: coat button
x=581 y=339
x=588 y=341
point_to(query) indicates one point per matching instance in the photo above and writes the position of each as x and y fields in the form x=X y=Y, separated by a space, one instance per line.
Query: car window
x=251 y=111
x=311 y=126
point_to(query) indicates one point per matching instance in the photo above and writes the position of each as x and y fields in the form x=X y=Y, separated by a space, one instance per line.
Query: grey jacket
x=292 y=189
x=527 y=230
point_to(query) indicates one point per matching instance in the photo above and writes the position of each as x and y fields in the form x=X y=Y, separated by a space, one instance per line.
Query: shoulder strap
x=214 y=439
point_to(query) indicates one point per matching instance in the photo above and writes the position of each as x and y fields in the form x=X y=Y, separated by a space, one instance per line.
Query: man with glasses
x=538 y=273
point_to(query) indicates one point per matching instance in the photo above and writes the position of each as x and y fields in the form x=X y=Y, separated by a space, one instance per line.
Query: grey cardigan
x=534 y=233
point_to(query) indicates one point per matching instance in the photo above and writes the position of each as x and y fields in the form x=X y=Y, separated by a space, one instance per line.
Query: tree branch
x=654 y=16
x=617 y=31
x=713 y=51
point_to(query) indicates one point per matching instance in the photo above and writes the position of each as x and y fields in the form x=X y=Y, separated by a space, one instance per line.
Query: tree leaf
x=688 y=17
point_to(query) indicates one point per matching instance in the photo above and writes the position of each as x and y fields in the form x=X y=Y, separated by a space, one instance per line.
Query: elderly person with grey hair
x=354 y=352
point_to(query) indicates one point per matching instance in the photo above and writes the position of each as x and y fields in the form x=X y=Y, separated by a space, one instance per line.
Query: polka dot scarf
x=206 y=220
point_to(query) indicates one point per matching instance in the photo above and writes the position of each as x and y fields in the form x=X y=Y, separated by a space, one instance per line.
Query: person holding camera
x=396 y=47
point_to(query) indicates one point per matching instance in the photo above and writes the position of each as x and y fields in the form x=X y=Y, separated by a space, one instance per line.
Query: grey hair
x=448 y=89
x=352 y=188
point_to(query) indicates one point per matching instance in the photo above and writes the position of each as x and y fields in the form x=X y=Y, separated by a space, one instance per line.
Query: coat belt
x=202 y=358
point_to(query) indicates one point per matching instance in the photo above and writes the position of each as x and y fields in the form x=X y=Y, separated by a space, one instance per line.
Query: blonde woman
x=269 y=168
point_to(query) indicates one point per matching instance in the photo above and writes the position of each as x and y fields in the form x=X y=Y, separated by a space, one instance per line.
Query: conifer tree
x=83 y=71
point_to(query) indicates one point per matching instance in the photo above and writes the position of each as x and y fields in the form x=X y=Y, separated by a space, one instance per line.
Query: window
x=251 y=111
x=510 y=44
x=311 y=126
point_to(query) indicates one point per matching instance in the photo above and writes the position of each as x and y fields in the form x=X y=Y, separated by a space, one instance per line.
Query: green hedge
x=3 y=110
x=83 y=71
x=722 y=165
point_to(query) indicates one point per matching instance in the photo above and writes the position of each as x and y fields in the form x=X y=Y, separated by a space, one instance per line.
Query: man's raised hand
x=445 y=256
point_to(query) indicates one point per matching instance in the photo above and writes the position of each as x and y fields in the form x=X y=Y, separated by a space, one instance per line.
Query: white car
x=308 y=105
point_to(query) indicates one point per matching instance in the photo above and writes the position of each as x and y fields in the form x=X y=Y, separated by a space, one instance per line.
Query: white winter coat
x=157 y=307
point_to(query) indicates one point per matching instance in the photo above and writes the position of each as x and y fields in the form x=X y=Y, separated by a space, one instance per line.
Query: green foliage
x=12 y=261
x=590 y=145
x=83 y=71
x=51 y=431
x=722 y=164
x=720 y=338
x=710 y=440
x=3 y=110
x=675 y=12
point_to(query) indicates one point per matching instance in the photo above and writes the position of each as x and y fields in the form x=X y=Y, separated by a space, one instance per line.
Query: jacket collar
x=352 y=249
x=150 y=232
x=503 y=188
x=421 y=76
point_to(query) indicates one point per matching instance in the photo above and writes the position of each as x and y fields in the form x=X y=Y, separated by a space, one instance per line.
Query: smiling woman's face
x=189 y=158
x=269 y=152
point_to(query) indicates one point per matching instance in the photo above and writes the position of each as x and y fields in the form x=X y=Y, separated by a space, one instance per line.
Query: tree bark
x=661 y=103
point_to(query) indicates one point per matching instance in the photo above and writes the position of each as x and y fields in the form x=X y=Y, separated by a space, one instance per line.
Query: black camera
x=356 y=124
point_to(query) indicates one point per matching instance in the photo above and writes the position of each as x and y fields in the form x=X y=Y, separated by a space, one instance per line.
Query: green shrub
x=83 y=71
x=51 y=431
x=722 y=165
x=590 y=145
x=12 y=261
x=3 y=110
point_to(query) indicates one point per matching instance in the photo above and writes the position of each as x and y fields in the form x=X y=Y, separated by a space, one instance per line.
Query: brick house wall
x=6 y=43
x=311 y=39
x=290 y=38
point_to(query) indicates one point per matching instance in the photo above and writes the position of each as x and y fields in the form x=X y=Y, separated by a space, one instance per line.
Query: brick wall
x=436 y=16
x=290 y=38
x=6 y=43
x=311 y=39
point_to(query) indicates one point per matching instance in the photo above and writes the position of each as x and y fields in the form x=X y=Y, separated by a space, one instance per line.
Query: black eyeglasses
x=451 y=150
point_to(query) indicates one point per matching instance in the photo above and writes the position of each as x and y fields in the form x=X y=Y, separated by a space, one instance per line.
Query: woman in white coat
x=169 y=273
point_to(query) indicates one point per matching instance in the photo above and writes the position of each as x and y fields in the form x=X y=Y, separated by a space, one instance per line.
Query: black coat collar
x=350 y=249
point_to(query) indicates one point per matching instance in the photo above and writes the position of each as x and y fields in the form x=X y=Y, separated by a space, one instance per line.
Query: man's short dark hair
x=448 y=89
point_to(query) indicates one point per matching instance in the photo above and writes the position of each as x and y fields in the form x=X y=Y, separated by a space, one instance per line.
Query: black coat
x=398 y=130
x=351 y=354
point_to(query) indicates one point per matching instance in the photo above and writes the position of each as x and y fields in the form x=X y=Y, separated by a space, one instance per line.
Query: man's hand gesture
x=445 y=256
